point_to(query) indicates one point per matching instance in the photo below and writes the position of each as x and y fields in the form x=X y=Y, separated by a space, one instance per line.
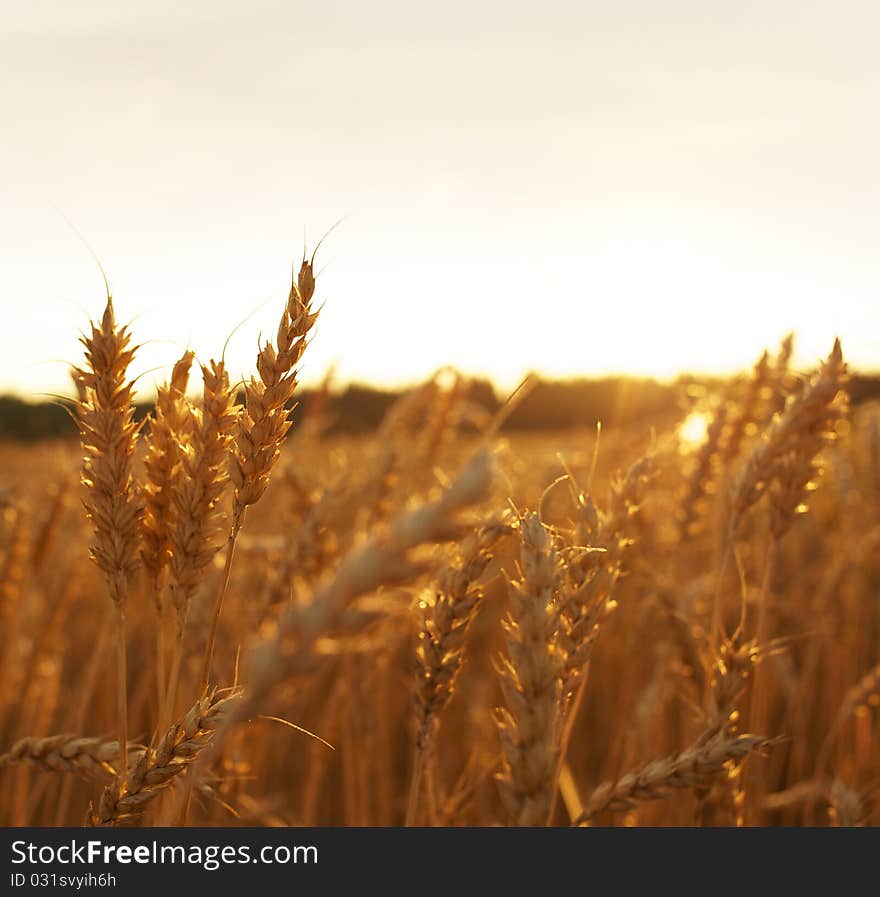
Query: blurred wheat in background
x=671 y=622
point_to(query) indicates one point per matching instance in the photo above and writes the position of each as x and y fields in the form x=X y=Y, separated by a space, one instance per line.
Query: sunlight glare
x=693 y=429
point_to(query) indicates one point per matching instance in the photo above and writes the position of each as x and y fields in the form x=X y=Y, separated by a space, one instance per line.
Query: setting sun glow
x=693 y=429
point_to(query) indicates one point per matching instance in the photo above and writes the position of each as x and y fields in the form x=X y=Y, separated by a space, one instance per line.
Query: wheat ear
x=168 y=433
x=440 y=649
x=691 y=768
x=108 y=433
x=87 y=758
x=531 y=680
x=197 y=529
x=783 y=464
x=263 y=423
x=155 y=770
x=786 y=468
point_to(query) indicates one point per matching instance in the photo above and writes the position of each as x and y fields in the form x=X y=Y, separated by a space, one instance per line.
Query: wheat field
x=674 y=622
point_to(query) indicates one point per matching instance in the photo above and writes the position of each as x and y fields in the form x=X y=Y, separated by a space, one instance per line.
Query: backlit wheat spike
x=732 y=668
x=169 y=432
x=780 y=378
x=198 y=532
x=155 y=770
x=602 y=540
x=263 y=422
x=722 y=798
x=701 y=478
x=198 y=522
x=659 y=778
x=163 y=468
x=440 y=650
x=789 y=445
x=108 y=433
x=87 y=758
x=531 y=680
x=749 y=410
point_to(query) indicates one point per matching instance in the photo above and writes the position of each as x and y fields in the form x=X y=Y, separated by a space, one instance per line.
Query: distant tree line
x=550 y=405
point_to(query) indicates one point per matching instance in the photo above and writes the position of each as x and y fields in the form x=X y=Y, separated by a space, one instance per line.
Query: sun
x=692 y=430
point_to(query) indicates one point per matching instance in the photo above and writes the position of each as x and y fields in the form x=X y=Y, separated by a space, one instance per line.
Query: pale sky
x=569 y=187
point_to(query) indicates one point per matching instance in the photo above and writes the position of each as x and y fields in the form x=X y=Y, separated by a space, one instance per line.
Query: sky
x=574 y=188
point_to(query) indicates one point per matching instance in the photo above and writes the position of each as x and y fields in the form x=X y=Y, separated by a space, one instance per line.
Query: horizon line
x=498 y=385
